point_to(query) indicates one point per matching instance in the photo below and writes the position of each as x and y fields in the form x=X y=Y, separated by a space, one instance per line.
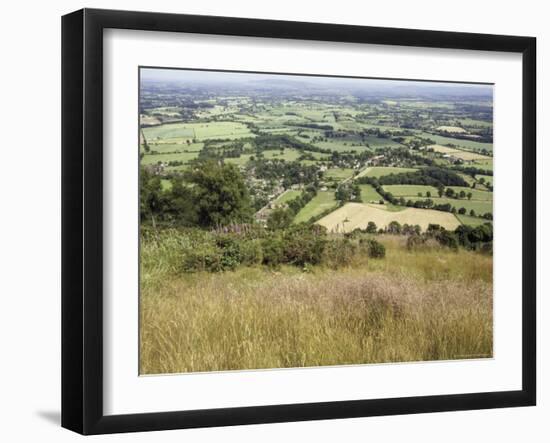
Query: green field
x=239 y=161
x=199 y=131
x=318 y=204
x=468 y=122
x=468 y=144
x=484 y=164
x=476 y=193
x=287 y=196
x=488 y=178
x=341 y=145
x=338 y=174
x=288 y=154
x=151 y=159
x=471 y=221
x=368 y=194
x=379 y=171
x=163 y=148
x=480 y=207
x=410 y=190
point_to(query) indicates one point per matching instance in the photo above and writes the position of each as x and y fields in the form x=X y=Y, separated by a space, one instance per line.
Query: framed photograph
x=269 y=221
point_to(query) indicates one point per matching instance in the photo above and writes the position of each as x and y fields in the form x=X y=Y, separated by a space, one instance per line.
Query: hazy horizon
x=197 y=78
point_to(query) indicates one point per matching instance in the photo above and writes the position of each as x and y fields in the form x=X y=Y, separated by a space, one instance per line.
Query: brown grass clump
x=411 y=306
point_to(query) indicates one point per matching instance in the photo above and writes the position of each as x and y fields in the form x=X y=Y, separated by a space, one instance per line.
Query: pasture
x=379 y=171
x=476 y=193
x=185 y=157
x=164 y=148
x=468 y=144
x=199 y=131
x=458 y=153
x=369 y=194
x=410 y=190
x=287 y=196
x=452 y=129
x=323 y=201
x=338 y=174
x=471 y=221
x=479 y=206
x=488 y=179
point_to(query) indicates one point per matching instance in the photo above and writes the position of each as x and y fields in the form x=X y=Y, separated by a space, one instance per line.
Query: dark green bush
x=339 y=253
x=251 y=252
x=206 y=257
x=374 y=248
x=302 y=245
x=273 y=251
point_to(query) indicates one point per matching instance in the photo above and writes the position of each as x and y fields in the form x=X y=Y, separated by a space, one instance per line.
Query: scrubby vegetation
x=427 y=303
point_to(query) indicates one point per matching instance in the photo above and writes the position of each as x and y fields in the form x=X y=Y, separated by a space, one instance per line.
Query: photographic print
x=291 y=221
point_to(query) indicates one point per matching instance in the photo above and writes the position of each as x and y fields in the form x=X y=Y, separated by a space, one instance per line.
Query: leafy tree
x=371 y=228
x=220 y=195
x=449 y=192
x=469 y=195
x=279 y=219
x=394 y=227
x=151 y=199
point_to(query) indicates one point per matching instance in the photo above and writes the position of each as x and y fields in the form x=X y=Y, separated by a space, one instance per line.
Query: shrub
x=273 y=251
x=415 y=241
x=371 y=227
x=206 y=257
x=448 y=239
x=374 y=248
x=303 y=245
x=251 y=252
x=339 y=253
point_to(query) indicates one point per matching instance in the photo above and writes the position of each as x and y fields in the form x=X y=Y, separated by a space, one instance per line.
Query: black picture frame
x=82 y=218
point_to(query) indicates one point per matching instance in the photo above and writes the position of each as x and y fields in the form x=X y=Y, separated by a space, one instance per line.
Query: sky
x=199 y=77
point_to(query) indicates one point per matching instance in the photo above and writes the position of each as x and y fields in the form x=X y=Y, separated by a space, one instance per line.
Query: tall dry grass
x=411 y=306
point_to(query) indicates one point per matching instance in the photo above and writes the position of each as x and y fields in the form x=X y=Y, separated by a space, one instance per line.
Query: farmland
x=357 y=215
x=322 y=202
x=290 y=221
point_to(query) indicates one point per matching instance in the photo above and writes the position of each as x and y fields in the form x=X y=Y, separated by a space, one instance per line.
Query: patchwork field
x=468 y=144
x=198 y=131
x=487 y=178
x=338 y=174
x=318 y=204
x=410 y=190
x=471 y=221
x=458 y=153
x=379 y=171
x=165 y=158
x=287 y=196
x=453 y=129
x=369 y=194
x=357 y=215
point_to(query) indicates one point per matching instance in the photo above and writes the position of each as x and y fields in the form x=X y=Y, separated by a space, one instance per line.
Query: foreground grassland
x=428 y=304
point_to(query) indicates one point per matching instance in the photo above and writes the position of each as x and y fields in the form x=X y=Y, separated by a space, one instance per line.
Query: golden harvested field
x=454 y=129
x=459 y=153
x=357 y=215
